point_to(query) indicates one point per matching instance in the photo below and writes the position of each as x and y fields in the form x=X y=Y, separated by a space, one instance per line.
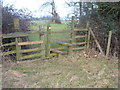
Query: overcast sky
x=34 y=6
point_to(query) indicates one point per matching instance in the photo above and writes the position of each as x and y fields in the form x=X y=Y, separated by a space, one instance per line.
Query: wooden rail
x=29 y=43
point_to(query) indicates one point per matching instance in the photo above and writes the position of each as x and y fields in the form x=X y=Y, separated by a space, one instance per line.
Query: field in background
x=54 y=27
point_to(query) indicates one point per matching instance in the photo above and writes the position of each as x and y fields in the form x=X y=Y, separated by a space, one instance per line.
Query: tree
x=55 y=15
x=103 y=17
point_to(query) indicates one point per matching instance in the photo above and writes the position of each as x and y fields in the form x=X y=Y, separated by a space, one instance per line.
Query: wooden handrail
x=28 y=43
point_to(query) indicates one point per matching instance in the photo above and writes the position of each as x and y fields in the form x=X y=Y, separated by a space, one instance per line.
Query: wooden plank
x=81 y=29
x=80 y=43
x=31 y=56
x=30 y=50
x=57 y=51
x=99 y=47
x=9 y=52
x=59 y=48
x=9 y=44
x=79 y=48
x=109 y=42
x=28 y=43
x=81 y=36
x=66 y=44
x=64 y=31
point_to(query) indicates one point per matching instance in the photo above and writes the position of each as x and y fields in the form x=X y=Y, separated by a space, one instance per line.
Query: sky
x=34 y=6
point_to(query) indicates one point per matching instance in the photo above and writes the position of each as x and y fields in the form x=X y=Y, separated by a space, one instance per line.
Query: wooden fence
x=79 y=39
x=17 y=43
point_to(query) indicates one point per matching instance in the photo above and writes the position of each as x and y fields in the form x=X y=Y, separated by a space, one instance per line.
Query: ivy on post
x=17 y=39
x=16 y=24
x=48 y=41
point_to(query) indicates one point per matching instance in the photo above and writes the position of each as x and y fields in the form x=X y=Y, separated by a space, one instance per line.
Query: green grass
x=73 y=71
x=54 y=27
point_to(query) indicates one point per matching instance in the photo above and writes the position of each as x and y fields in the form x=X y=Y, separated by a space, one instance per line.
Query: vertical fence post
x=108 y=44
x=48 y=41
x=72 y=27
x=73 y=33
x=17 y=39
x=88 y=35
x=17 y=49
x=88 y=39
x=42 y=46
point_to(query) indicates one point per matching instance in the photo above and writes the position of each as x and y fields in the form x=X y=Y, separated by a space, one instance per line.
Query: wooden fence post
x=72 y=27
x=43 y=44
x=73 y=33
x=88 y=39
x=48 y=41
x=17 y=39
x=88 y=35
x=18 y=56
x=108 y=44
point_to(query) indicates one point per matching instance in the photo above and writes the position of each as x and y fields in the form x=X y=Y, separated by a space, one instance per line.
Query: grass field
x=54 y=27
x=75 y=71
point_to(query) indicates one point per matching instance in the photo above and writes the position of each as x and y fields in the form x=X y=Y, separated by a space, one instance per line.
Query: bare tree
x=55 y=15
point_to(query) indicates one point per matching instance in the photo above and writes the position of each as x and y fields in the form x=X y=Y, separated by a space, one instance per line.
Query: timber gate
x=78 y=39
